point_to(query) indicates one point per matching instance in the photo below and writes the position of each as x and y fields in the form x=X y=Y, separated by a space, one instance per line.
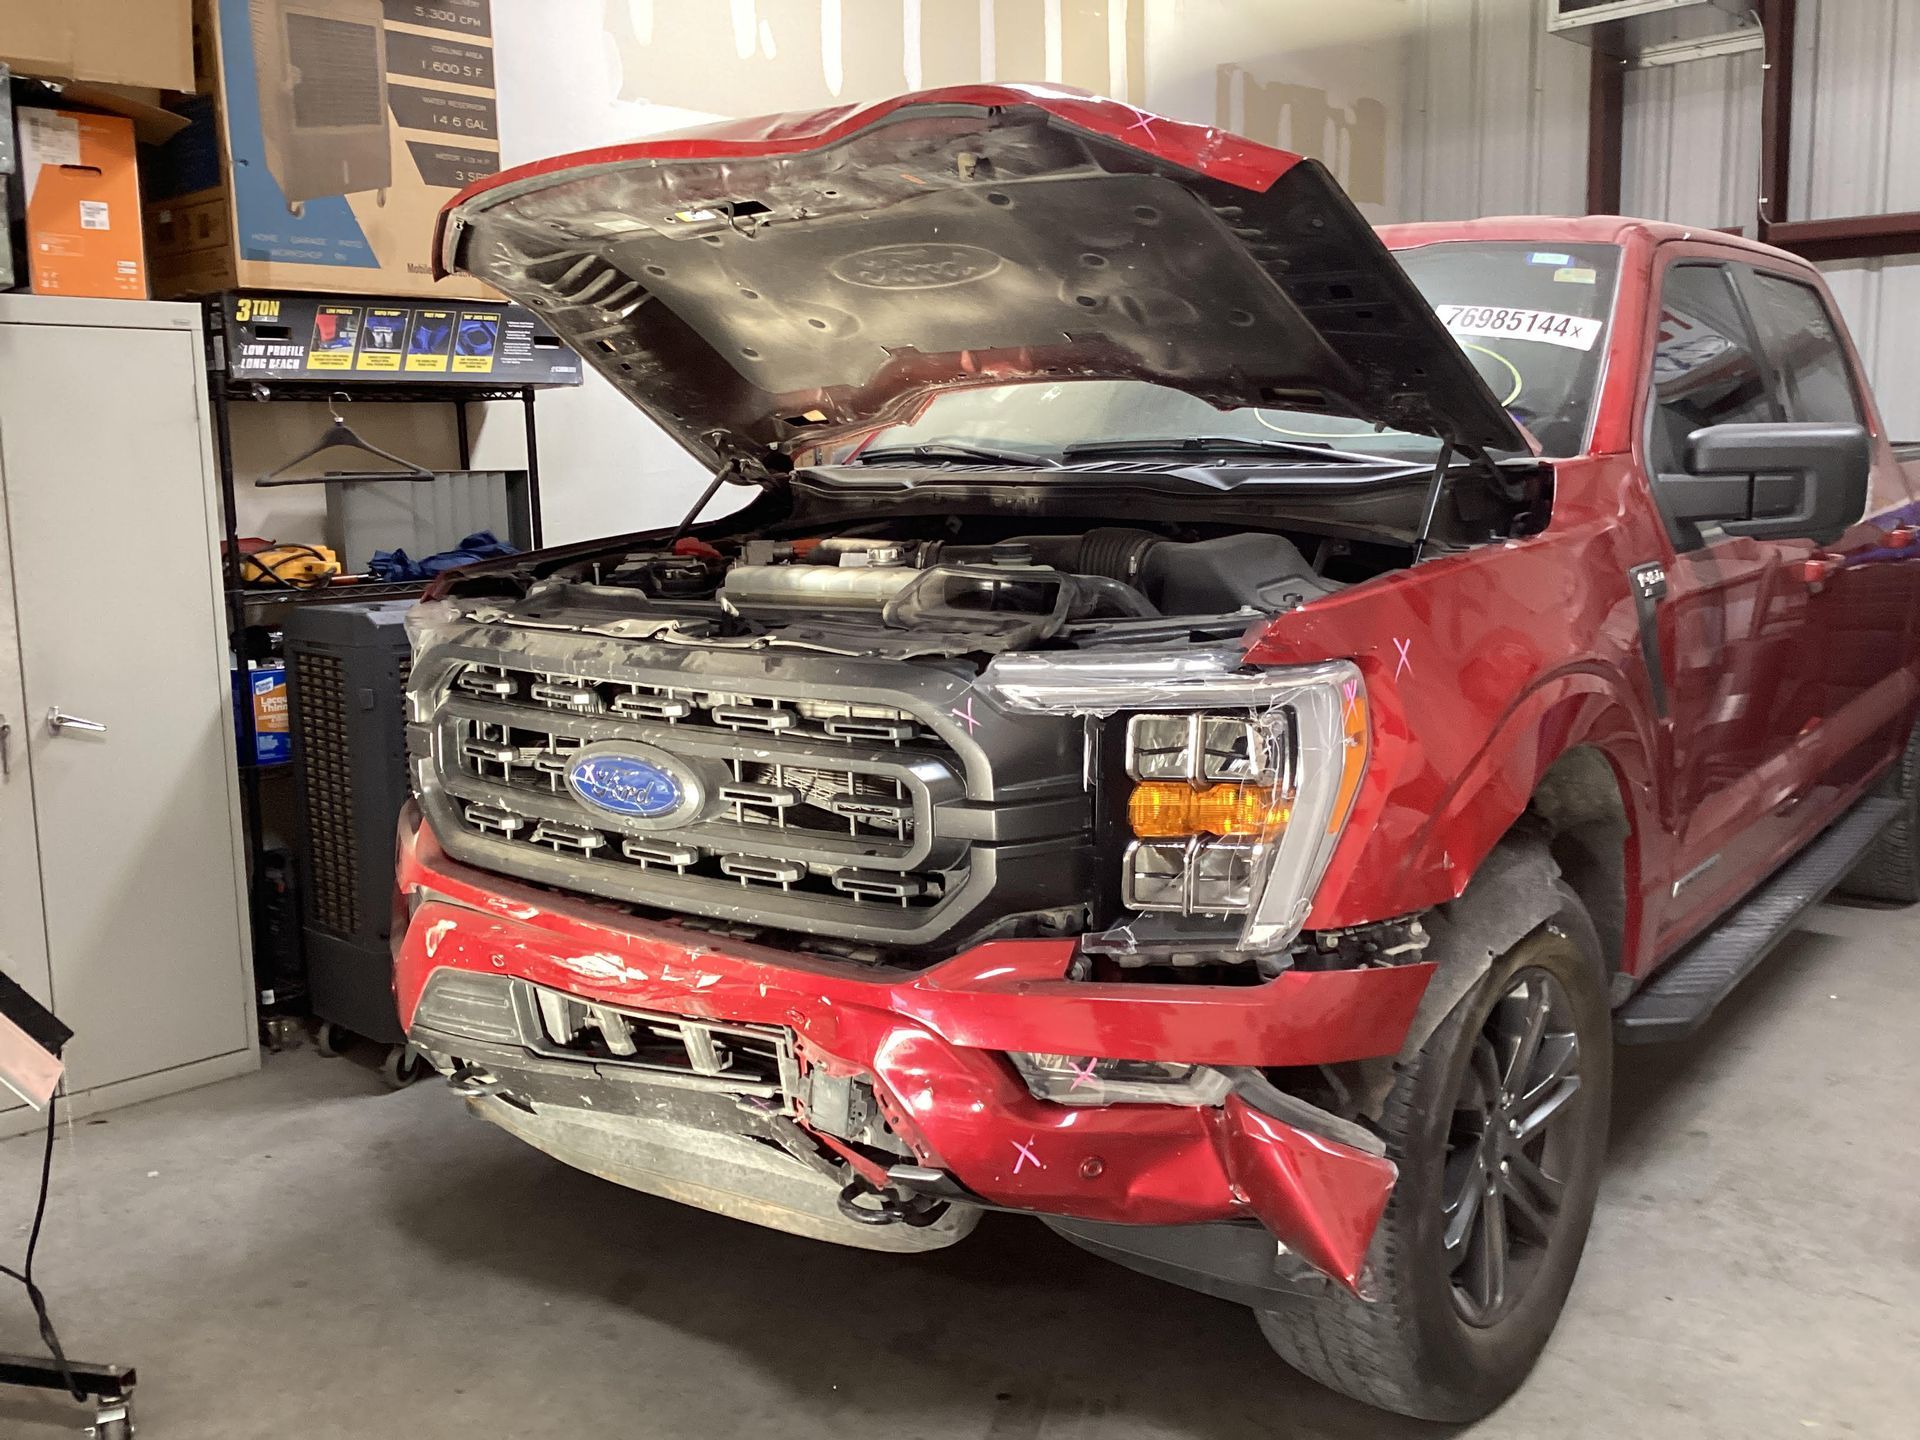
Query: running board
x=1678 y=999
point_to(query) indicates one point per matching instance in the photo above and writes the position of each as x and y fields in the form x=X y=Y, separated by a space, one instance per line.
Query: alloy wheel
x=1511 y=1146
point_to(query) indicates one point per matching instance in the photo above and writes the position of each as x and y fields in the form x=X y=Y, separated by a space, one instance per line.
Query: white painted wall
x=604 y=467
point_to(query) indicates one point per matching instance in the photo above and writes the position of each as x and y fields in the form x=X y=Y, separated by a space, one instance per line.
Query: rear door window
x=1802 y=343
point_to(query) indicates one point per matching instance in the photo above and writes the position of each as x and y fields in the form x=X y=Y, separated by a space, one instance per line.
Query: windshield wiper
x=955 y=450
x=1225 y=445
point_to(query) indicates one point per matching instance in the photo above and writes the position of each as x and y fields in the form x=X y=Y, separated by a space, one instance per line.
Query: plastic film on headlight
x=1240 y=781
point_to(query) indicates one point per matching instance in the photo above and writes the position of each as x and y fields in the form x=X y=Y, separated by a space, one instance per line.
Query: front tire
x=1499 y=1127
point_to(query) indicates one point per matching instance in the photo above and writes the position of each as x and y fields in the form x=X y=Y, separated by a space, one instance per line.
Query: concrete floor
x=300 y=1252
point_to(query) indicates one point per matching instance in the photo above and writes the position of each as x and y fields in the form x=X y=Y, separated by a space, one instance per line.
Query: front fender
x=1571 y=709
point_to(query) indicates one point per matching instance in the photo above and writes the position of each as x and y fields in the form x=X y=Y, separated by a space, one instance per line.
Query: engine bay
x=949 y=586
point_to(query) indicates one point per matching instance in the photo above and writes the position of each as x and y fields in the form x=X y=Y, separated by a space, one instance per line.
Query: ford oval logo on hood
x=915 y=267
x=636 y=782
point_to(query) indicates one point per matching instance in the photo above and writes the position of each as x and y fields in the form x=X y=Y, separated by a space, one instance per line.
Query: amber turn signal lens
x=1353 y=756
x=1163 y=809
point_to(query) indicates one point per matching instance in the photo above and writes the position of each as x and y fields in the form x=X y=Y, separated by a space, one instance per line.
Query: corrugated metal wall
x=1856 y=130
x=1692 y=154
x=1496 y=114
x=1496 y=123
x=1691 y=148
x=1856 y=151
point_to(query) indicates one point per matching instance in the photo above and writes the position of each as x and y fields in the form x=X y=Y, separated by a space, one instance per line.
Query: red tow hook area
x=1320 y=1198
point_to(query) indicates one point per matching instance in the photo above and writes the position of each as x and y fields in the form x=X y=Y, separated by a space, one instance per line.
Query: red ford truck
x=1213 y=725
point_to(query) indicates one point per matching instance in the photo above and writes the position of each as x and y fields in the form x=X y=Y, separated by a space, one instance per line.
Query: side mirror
x=1779 y=479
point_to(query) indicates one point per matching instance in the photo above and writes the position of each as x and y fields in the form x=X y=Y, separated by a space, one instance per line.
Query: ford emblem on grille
x=637 y=782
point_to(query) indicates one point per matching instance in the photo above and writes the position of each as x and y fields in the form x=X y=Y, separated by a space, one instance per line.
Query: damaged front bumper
x=933 y=1047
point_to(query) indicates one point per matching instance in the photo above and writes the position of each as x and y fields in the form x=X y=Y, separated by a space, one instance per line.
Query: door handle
x=58 y=720
x=6 y=761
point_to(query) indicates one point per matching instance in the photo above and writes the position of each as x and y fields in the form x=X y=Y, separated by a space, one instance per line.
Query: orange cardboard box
x=83 y=205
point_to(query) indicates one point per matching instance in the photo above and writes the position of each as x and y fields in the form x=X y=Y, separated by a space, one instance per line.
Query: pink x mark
x=1405 y=662
x=1023 y=1155
x=1083 y=1075
x=964 y=714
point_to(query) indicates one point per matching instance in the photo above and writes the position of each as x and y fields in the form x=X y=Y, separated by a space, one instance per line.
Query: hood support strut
x=1477 y=459
x=740 y=466
x=1435 y=482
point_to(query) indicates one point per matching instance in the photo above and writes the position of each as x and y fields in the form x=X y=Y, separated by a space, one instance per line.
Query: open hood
x=769 y=283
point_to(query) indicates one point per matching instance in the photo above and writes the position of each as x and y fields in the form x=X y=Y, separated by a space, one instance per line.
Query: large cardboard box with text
x=116 y=42
x=336 y=130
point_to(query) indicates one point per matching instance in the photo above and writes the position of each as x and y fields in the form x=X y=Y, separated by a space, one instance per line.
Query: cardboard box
x=339 y=128
x=117 y=42
x=82 y=194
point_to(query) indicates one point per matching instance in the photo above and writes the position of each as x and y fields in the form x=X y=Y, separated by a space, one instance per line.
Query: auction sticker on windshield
x=1572 y=331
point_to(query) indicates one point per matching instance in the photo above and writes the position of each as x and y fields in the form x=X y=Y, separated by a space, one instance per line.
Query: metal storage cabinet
x=122 y=894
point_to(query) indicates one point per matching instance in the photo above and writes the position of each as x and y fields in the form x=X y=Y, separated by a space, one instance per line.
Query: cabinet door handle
x=6 y=761
x=58 y=720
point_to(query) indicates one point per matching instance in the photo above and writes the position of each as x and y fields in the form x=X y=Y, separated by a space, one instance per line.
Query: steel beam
x=1606 y=131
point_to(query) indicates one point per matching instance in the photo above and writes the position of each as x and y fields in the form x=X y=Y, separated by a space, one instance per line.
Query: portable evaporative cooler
x=347 y=668
x=321 y=66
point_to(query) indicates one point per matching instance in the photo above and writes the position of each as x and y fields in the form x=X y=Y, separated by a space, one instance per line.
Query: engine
x=914 y=583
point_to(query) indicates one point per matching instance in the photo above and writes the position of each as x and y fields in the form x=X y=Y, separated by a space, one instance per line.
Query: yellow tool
x=300 y=567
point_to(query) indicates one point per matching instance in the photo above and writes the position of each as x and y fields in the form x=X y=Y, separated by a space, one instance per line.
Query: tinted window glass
x=1705 y=371
x=1804 y=348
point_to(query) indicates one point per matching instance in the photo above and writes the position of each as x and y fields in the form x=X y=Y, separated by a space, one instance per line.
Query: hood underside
x=783 y=281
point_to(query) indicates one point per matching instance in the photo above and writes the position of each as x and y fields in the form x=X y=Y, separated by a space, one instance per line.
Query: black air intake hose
x=1117 y=553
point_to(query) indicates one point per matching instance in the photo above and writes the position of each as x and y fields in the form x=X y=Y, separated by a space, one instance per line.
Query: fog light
x=1086 y=1080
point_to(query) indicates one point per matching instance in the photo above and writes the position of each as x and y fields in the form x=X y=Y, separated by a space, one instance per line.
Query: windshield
x=1532 y=320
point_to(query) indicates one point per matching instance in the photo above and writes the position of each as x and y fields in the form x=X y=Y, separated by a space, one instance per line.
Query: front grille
x=798 y=798
x=823 y=800
x=326 y=766
x=338 y=65
x=857 y=805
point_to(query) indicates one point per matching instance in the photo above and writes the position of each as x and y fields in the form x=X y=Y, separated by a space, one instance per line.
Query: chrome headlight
x=1240 y=780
